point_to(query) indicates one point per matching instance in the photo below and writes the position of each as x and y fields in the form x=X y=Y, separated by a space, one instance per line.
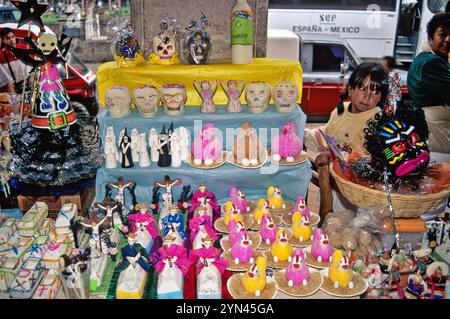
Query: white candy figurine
x=144 y=159
x=153 y=141
x=111 y=153
x=119 y=140
x=175 y=149
x=118 y=101
x=134 y=145
x=185 y=149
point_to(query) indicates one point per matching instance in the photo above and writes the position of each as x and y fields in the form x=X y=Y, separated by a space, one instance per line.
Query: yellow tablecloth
x=271 y=71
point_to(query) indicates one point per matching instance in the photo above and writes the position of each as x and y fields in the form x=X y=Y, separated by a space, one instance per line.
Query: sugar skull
x=258 y=96
x=118 y=101
x=285 y=95
x=146 y=99
x=165 y=45
x=47 y=43
x=173 y=97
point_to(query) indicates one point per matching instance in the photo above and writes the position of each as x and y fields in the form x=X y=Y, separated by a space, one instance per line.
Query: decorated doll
x=134 y=253
x=206 y=90
x=201 y=222
x=233 y=90
x=111 y=153
x=172 y=254
x=145 y=219
x=174 y=223
x=121 y=186
x=202 y=192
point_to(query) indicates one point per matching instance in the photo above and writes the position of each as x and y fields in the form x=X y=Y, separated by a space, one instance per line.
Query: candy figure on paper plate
x=206 y=90
x=143 y=224
x=258 y=95
x=275 y=198
x=321 y=248
x=254 y=280
x=153 y=142
x=340 y=272
x=233 y=91
x=165 y=44
x=144 y=158
x=231 y=213
x=285 y=95
x=202 y=192
x=262 y=209
x=146 y=99
x=111 y=153
x=247 y=147
x=210 y=267
x=118 y=101
x=287 y=145
x=134 y=268
x=208 y=146
x=173 y=224
x=268 y=230
x=242 y=251
x=297 y=272
x=172 y=266
x=281 y=250
x=173 y=98
x=200 y=227
x=301 y=228
x=236 y=231
x=237 y=197
x=126 y=151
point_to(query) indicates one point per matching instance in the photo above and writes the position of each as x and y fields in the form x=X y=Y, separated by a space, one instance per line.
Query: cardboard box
x=410 y=229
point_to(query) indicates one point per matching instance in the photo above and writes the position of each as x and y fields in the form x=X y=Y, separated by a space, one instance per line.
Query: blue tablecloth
x=293 y=180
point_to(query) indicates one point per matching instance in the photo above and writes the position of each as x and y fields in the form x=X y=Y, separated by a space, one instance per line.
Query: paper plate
x=360 y=286
x=216 y=163
x=299 y=159
x=312 y=262
x=280 y=211
x=220 y=226
x=272 y=264
x=276 y=220
x=239 y=267
x=314 y=220
x=261 y=163
x=237 y=291
x=311 y=288
x=254 y=237
x=264 y=246
x=300 y=244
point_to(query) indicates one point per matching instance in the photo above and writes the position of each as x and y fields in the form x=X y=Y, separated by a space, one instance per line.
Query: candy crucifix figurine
x=167 y=184
x=121 y=185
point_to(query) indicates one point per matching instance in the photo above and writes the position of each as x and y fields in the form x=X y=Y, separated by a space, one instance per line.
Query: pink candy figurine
x=237 y=230
x=286 y=145
x=300 y=206
x=242 y=251
x=297 y=272
x=321 y=248
x=268 y=230
x=237 y=197
x=208 y=146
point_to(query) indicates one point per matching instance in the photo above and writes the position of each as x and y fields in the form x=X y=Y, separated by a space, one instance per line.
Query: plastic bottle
x=242 y=33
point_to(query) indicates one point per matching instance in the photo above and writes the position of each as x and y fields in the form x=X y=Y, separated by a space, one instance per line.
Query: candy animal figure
x=208 y=146
x=233 y=91
x=111 y=153
x=242 y=251
x=175 y=149
x=134 y=145
x=262 y=208
x=254 y=280
x=287 y=145
x=321 y=248
x=231 y=213
x=275 y=198
x=144 y=159
x=340 y=272
x=236 y=231
x=281 y=249
x=301 y=227
x=153 y=141
x=184 y=136
x=237 y=197
x=268 y=230
x=206 y=90
x=297 y=272
x=300 y=206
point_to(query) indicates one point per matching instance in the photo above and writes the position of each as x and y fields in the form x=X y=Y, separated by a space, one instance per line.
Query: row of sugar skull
x=146 y=99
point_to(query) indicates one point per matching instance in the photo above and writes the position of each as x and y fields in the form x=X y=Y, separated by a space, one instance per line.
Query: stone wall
x=146 y=15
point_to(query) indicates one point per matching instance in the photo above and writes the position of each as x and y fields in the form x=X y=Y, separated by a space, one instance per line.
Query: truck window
x=327 y=57
x=437 y=6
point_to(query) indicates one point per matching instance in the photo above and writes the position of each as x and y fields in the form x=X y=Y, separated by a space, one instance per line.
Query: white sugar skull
x=285 y=95
x=258 y=96
x=146 y=99
x=47 y=43
x=164 y=45
x=173 y=97
x=118 y=100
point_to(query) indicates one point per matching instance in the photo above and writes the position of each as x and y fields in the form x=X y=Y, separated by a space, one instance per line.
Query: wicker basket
x=405 y=206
